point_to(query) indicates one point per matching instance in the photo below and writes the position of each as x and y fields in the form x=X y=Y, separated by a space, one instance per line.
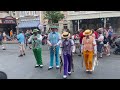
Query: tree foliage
x=53 y=16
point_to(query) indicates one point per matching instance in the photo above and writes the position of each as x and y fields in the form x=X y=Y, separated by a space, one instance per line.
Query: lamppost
x=17 y=21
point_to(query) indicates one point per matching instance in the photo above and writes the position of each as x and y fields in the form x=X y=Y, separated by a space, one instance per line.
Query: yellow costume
x=88 y=49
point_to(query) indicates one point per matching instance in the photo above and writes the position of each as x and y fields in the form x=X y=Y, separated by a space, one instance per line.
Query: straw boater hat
x=87 y=32
x=65 y=35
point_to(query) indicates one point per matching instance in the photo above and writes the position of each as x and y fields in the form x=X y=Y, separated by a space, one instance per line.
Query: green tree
x=53 y=16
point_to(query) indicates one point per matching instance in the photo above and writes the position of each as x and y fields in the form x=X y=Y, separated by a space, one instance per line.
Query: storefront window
x=65 y=26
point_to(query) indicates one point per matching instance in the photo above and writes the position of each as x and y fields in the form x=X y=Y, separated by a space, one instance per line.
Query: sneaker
x=24 y=54
x=20 y=55
x=69 y=73
x=108 y=54
x=50 y=68
x=57 y=67
x=30 y=48
x=4 y=49
x=64 y=76
x=87 y=70
x=100 y=56
x=36 y=65
x=41 y=66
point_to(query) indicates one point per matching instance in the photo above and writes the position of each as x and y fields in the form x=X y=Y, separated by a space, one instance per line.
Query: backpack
x=105 y=40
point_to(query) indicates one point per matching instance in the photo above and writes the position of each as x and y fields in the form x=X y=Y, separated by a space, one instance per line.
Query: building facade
x=27 y=20
x=7 y=22
x=22 y=16
x=94 y=19
x=64 y=24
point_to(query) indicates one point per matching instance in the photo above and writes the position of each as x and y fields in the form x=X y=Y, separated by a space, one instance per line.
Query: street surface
x=23 y=67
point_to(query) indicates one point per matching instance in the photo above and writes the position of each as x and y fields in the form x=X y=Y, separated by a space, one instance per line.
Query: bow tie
x=53 y=33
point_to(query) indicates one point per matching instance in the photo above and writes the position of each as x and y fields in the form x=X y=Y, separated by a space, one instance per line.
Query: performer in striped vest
x=89 y=50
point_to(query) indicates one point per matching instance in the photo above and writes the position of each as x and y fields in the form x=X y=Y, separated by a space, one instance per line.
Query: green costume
x=36 y=46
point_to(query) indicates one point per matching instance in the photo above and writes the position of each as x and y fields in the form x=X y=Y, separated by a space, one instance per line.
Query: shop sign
x=9 y=20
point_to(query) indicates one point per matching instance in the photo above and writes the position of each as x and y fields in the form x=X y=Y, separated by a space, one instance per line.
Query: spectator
x=80 y=39
x=75 y=38
x=21 y=41
x=100 y=44
x=1 y=43
x=11 y=34
x=4 y=36
x=110 y=33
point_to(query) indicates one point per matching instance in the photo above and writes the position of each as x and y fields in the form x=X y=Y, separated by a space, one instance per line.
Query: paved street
x=23 y=67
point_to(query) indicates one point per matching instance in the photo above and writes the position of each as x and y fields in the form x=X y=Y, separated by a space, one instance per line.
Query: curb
x=10 y=42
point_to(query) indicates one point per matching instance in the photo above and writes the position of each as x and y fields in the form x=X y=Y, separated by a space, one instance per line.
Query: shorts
x=21 y=46
x=21 y=43
x=99 y=48
x=1 y=42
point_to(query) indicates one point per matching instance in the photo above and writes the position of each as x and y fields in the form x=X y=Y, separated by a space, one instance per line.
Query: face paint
x=35 y=33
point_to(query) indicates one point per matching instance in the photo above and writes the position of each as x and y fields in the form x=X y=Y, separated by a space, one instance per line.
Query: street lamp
x=17 y=21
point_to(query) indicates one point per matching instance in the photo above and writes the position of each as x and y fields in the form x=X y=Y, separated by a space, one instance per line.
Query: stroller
x=117 y=48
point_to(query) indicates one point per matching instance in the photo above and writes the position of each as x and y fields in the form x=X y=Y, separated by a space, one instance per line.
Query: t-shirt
x=96 y=35
x=21 y=38
x=81 y=37
x=101 y=39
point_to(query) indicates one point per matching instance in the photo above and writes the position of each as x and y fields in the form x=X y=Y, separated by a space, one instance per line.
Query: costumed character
x=67 y=50
x=89 y=50
x=53 y=41
x=36 y=40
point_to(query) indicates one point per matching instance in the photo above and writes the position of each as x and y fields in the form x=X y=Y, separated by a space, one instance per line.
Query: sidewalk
x=10 y=42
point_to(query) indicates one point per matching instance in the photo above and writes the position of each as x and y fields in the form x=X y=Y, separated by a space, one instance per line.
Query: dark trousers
x=100 y=48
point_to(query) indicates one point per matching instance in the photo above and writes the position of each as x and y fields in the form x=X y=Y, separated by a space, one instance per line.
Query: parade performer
x=67 y=49
x=88 y=50
x=54 y=39
x=36 y=40
x=100 y=44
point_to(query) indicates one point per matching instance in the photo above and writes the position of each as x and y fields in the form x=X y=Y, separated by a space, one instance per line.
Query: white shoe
x=57 y=66
x=87 y=70
x=64 y=76
x=69 y=73
x=90 y=70
x=100 y=55
x=50 y=67
x=36 y=65
x=41 y=65
x=108 y=54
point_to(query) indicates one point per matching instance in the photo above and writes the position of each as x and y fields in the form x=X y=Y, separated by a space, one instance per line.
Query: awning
x=29 y=24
